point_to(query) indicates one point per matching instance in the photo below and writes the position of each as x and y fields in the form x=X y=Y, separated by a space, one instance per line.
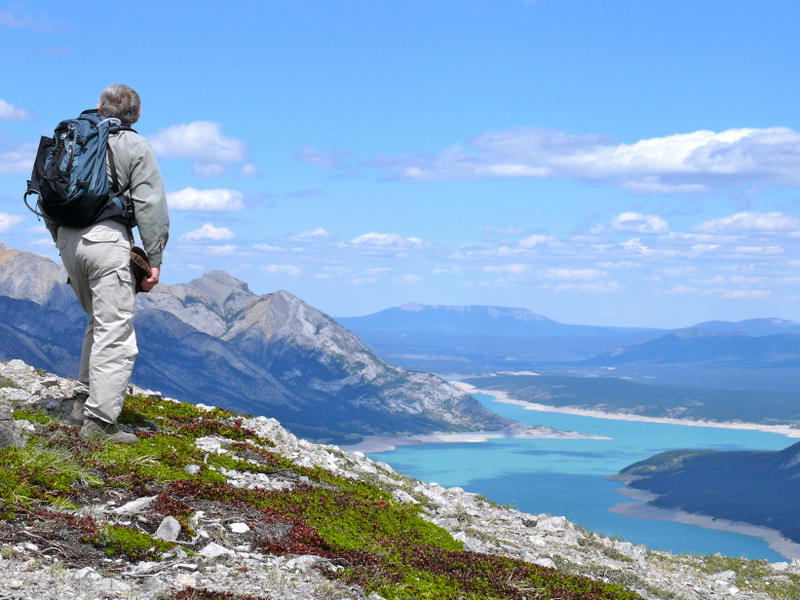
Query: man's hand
x=148 y=283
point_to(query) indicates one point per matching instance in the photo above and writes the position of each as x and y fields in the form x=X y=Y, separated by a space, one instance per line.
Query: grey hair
x=120 y=102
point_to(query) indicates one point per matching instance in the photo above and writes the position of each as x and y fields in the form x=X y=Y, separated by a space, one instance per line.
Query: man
x=97 y=260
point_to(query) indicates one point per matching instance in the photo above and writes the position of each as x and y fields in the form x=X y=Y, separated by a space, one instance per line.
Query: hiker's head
x=120 y=102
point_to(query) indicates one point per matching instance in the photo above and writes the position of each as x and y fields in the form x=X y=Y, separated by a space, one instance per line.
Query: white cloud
x=750 y=222
x=385 y=240
x=209 y=232
x=332 y=159
x=17 y=159
x=312 y=235
x=249 y=170
x=226 y=249
x=689 y=162
x=623 y=264
x=9 y=113
x=636 y=223
x=218 y=200
x=201 y=142
x=600 y=287
x=267 y=248
x=679 y=271
x=585 y=274
x=742 y=294
x=759 y=250
x=282 y=269
x=8 y=222
x=515 y=269
x=534 y=240
x=682 y=289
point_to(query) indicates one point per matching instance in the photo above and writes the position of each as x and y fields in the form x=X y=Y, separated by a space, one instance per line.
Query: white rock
x=169 y=530
x=135 y=506
x=86 y=574
x=545 y=562
x=213 y=550
x=192 y=469
x=239 y=527
x=402 y=496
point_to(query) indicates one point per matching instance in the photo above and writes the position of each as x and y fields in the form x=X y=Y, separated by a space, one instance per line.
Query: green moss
x=5 y=382
x=130 y=542
x=36 y=474
x=28 y=413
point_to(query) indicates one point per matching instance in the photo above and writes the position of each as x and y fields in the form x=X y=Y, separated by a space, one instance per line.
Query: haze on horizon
x=617 y=163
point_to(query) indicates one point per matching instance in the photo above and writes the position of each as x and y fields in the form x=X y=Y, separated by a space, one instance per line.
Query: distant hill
x=476 y=339
x=706 y=358
x=216 y=341
x=761 y=488
x=618 y=396
x=754 y=327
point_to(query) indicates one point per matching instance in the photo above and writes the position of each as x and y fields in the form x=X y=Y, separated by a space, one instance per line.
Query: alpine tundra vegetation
x=215 y=505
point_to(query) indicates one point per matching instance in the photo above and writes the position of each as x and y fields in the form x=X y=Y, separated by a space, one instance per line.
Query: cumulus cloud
x=332 y=159
x=600 y=287
x=282 y=269
x=226 y=249
x=267 y=248
x=8 y=112
x=585 y=274
x=312 y=235
x=209 y=232
x=410 y=279
x=218 y=200
x=249 y=170
x=386 y=240
x=636 y=223
x=750 y=222
x=687 y=162
x=682 y=289
x=8 y=222
x=203 y=143
x=17 y=159
x=742 y=294
x=514 y=269
x=534 y=240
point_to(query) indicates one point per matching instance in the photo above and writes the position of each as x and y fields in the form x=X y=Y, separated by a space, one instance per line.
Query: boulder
x=10 y=432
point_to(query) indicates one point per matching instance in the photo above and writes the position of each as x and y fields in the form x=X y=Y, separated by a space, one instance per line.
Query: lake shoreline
x=375 y=444
x=503 y=397
x=642 y=510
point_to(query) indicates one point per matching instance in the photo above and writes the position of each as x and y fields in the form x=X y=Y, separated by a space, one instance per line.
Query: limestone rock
x=169 y=530
x=10 y=432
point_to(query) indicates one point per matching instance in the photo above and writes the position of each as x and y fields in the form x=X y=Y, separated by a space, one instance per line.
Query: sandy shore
x=641 y=510
x=373 y=444
x=503 y=397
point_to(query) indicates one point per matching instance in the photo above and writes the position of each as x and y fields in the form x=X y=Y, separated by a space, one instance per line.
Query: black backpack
x=70 y=178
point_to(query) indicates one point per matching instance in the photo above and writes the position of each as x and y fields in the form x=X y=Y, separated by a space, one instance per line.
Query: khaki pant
x=97 y=260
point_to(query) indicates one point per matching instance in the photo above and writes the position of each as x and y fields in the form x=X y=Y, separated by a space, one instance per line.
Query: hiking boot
x=95 y=429
x=76 y=416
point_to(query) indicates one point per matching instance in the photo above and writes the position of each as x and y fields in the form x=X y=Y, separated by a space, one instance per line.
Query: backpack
x=70 y=177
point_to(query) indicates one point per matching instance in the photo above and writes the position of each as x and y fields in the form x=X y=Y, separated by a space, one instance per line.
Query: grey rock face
x=10 y=432
x=169 y=530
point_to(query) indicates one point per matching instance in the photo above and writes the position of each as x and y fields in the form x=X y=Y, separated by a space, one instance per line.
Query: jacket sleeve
x=146 y=189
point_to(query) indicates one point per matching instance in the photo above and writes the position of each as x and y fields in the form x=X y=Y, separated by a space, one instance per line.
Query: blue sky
x=618 y=162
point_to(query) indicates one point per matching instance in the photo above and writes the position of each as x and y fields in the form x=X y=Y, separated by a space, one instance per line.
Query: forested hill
x=761 y=488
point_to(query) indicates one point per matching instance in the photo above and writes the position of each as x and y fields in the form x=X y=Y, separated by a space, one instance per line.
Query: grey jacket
x=140 y=177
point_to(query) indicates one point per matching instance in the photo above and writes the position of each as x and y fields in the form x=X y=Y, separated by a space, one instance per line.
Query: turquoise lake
x=567 y=477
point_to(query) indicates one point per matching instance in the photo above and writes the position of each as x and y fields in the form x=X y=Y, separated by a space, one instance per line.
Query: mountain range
x=756 y=354
x=216 y=341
